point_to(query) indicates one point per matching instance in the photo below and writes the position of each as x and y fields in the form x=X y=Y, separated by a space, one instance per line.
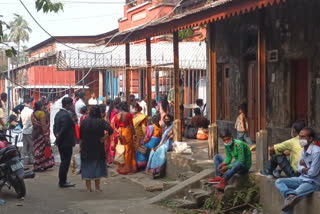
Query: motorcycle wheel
x=20 y=187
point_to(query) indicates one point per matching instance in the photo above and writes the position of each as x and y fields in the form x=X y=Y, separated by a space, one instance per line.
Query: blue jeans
x=243 y=136
x=296 y=186
x=236 y=168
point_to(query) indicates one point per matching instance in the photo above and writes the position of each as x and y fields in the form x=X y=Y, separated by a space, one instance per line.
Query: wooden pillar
x=157 y=86
x=213 y=128
x=261 y=71
x=176 y=74
x=212 y=73
x=127 y=73
x=149 y=81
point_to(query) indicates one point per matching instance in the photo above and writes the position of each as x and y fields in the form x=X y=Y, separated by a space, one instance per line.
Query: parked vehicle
x=12 y=171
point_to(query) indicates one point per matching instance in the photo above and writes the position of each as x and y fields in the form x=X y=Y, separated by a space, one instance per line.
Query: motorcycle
x=12 y=171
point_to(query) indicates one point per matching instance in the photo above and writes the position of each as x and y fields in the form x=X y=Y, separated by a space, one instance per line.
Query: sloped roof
x=211 y=12
x=192 y=55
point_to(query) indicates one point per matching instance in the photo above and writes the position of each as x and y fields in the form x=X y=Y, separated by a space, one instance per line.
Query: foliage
x=19 y=29
x=183 y=34
x=248 y=195
x=44 y=5
x=48 y=6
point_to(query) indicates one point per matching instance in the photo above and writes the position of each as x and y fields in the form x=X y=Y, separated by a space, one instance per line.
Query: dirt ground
x=120 y=195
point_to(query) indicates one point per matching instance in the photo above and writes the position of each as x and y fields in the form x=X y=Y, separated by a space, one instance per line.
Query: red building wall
x=48 y=75
x=144 y=12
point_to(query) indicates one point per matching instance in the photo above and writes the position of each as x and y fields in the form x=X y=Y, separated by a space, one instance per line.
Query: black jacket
x=64 y=129
x=91 y=133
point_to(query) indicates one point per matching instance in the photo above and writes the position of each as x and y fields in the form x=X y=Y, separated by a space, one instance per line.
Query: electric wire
x=89 y=71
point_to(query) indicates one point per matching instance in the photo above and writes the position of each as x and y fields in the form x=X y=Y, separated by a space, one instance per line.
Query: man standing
x=79 y=103
x=144 y=106
x=280 y=151
x=26 y=114
x=64 y=130
x=309 y=166
x=226 y=168
x=4 y=98
x=93 y=101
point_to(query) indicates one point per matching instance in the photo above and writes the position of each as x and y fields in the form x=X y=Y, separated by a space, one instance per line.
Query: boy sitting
x=225 y=168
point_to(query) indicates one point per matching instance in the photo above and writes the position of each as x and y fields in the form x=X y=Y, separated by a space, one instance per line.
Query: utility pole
x=8 y=86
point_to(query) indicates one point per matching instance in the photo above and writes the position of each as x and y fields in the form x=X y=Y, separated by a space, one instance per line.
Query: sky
x=79 y=17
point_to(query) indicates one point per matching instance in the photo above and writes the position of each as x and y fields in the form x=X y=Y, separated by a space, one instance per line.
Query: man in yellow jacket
x=279 y=153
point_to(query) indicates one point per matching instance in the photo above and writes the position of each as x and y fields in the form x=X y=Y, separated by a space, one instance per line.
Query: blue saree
x=152 y=143
x=158 y=158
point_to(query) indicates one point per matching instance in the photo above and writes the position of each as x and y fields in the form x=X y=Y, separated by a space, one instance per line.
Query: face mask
x=292 y=135
x=303 y=142
x=229 y=143
x=133 y=111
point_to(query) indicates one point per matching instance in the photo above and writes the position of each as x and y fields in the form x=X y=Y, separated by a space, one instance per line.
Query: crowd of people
x=109 y=134
x=118 y=133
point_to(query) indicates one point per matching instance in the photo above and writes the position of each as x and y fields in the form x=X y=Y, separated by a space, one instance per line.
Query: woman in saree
x=43 y=156
x=124 y=127
x=164 y=108
x=151 y=141
x=113 y=139
x=157 y=159
x=139 y=124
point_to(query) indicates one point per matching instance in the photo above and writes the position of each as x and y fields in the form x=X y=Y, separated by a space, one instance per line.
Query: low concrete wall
x=177 y=164
x=272 y=201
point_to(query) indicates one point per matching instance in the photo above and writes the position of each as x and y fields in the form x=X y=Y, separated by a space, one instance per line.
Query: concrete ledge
x=272 y=201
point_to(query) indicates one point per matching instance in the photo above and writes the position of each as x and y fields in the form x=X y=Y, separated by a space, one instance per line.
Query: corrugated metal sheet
x=192 y=55
x=47 y=75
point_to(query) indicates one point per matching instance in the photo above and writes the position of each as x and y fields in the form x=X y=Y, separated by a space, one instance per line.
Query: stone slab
x=181 y=187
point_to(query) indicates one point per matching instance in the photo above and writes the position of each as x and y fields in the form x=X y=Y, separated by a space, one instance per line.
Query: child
x=241 y=126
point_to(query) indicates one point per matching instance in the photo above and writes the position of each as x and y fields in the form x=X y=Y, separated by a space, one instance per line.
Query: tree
x=19 y=31
x=44 y=5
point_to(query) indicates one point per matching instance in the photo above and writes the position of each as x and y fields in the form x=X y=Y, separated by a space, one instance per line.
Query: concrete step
x=185 y=204
x=210 y=188
x=179 y=190
x=199 y=196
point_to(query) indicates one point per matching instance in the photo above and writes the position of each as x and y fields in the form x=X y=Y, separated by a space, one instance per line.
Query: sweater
x=240 y=151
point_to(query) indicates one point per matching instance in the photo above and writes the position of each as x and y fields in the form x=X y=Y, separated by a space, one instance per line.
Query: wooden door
x=252 y=113
x=299 y=90
x=226 y=92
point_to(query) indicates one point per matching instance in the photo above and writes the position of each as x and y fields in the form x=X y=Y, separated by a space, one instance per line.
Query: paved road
x=119 y=195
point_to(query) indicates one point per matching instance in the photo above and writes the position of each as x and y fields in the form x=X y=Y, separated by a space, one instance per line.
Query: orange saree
x=124 y=124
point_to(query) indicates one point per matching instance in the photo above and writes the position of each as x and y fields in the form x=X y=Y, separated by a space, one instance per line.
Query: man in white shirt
x=79 y=103
x=144 y=106
x=4 y=98
x=26 y=114
x=93 y=100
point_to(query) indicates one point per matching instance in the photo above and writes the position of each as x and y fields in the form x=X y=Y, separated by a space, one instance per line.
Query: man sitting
x=309 y=167
x=279 y=153
x=225 y=168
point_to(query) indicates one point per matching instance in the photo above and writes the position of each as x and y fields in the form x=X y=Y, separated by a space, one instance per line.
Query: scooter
x=12 y=171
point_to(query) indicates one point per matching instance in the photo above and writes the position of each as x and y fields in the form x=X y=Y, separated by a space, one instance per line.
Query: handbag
x=143 y=149
x=119 y=157
x=47 y=152
x=202 y=134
